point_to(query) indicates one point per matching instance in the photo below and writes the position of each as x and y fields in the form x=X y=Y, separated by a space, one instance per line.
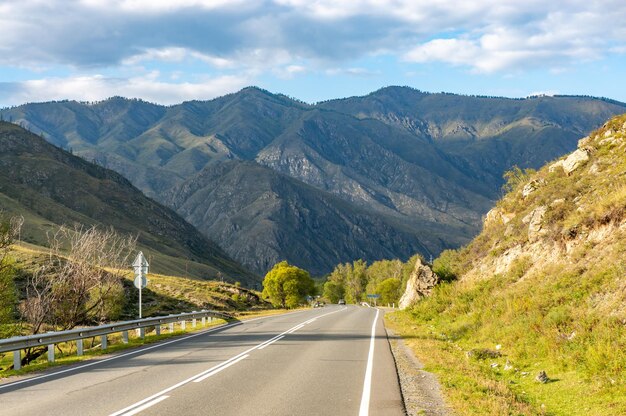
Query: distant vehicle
x=341 y=302
x=318 y=304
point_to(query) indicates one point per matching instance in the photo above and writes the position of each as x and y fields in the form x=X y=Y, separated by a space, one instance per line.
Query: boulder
x=556 y=165
x=584 y=142
x=496 y=216
x=535 y=223
x=575 y=160
x=421 y=283
x=531 y=187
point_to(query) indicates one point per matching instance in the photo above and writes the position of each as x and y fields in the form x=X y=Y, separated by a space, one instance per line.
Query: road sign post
x=374 y=296
x=140 y=266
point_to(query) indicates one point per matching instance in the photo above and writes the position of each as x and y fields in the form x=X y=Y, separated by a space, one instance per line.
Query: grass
x=559 y=306
x=164 y=295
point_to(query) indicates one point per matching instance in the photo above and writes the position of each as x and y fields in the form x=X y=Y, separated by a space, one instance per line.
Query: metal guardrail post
x=103 y=342
x=125 y=337
x=50 y=353
x=79 y=347
x=193 y=323
x=17 y=359
x=157 y=329
x=183 y=324
x=171 y=327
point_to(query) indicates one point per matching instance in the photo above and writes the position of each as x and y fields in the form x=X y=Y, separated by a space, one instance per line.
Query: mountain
x=544 y=281
x=271 y=207
x=486 y=135
x=429 y=164
x=51 y=187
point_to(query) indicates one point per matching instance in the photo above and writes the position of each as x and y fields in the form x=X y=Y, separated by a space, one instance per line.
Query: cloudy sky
x=168 y=51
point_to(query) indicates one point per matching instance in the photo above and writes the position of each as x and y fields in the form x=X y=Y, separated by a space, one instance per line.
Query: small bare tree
x=78 y=282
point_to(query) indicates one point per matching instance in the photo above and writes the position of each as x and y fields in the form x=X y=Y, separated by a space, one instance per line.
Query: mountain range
x=50 y=187
x=269 y=177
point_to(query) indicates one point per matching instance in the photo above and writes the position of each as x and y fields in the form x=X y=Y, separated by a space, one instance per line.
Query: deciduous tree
x=286 y=286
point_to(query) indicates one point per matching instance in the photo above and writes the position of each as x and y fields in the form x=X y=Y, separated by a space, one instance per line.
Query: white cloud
x=551 y=41
x=286 y=38
x=162 y=6
x=358 y=72
x=98 y=87
x=174 y=54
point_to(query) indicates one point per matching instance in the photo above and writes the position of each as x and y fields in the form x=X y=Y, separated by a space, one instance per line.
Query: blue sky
x=170 y=51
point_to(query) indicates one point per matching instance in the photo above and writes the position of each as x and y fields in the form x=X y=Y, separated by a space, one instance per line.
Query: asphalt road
x=314 y=362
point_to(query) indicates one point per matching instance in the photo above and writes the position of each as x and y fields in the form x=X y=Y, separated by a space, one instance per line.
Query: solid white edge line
x=145 y=406
x=214 y=372
x=367 y=382
x=192 y=378
x=270 y=343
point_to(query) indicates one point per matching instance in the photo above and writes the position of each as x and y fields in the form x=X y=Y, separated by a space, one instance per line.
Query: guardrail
x=17 y=344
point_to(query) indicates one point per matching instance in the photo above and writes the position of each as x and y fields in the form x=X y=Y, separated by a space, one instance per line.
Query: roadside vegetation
x=540 y=289
x=354 y=281
x=287 y=286
x=82 y=278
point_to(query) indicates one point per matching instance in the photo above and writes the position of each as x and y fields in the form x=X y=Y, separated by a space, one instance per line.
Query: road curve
x=315 y=362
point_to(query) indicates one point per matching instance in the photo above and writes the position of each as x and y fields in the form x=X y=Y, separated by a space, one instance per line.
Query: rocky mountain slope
x=51 y=187
x=430 y=164
x=544 y=282
x=276 y=206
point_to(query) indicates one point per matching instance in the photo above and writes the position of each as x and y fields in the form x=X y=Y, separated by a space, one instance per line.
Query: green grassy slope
x=544 y=281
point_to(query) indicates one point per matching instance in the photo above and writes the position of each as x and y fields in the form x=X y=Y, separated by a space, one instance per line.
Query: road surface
x=313 y=362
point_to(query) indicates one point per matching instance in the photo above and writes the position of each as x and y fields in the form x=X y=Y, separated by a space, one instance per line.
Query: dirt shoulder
x=420 y=389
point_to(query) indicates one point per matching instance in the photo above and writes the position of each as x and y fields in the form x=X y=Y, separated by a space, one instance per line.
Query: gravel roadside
x=420 y=389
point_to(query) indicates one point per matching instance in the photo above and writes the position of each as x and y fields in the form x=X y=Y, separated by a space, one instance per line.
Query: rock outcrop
x=420 y=284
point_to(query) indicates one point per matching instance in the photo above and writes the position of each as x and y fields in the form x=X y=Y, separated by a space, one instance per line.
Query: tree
x=286 y=286
x=333 y=291
x=356 y=281
x=78 y=285
x=389 y=290
x=446 y=266
x=515 y=176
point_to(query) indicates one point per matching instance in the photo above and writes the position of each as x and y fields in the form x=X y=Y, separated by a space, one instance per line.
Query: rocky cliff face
x=420 y=284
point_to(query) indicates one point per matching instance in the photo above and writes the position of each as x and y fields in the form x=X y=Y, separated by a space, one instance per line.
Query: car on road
x=341 y=302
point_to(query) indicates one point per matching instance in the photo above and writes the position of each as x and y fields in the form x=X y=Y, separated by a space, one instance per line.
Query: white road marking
x=232 y=360
x=295 y=328
x=159 y=345
x=145 y=406
x=223 y=367
x=271 y=342
x=3 y=386
x=367 y=383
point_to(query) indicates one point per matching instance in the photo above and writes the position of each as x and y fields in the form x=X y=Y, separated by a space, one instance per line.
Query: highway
x=334 y=360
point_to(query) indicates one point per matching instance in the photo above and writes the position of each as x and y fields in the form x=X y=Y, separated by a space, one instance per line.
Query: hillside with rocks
x=429 y=166
x=535 y=322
